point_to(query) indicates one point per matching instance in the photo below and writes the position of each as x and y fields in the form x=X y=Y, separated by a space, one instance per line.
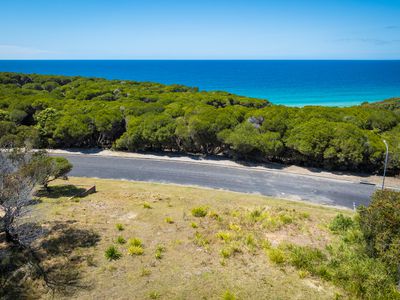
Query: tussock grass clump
x=169 y=220
x=119 y=226
x=145 y=272
x=154 y=295
x=228 y=296
x=225 y=236
x=160 y=251
x=112 y=253
x=135 y=242
x=135 y=250
x=214 y=215
x=200 y=212
x=230 y=250
x=147 y=205
x=235 y=227
x=194 y=225
x=200 y=240
x=120 y=240
x=276 y=255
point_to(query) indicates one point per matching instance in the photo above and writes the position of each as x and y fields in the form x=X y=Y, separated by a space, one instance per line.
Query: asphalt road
x=269 y=183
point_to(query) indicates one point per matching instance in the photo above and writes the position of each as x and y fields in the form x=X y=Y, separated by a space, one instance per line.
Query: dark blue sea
x=290 y=82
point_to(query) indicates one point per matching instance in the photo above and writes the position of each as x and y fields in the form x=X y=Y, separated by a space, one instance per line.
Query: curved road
x=269 y=183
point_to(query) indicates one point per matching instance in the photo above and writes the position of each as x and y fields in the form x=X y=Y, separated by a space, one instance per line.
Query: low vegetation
x=61 y=112
x=222 y=245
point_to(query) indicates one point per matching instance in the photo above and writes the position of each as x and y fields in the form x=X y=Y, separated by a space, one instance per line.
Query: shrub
x=340 y=223
x=112 y=253
x=135 y=250
x=305 y=258
x=380 y=225
x=200 y=212
x=169 y=220
x=119 y=227
x=121 y=240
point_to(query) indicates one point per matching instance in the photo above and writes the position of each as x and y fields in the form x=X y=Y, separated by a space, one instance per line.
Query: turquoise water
x=294 y=83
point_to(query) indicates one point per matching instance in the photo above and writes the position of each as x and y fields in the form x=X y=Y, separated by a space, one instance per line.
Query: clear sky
x=201 y=29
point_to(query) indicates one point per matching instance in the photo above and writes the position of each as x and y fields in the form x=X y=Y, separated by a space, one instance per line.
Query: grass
x=200 y=212
x=215 y=250
x=119 y=226
x=112 y=253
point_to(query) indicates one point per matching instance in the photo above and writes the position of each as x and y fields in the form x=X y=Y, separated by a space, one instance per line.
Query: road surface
x=247 y=180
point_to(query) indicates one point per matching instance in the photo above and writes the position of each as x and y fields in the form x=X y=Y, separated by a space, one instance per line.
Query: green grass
x=112 y=253
x=200 y=211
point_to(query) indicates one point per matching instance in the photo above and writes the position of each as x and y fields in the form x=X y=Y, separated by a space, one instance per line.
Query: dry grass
x=189 y=257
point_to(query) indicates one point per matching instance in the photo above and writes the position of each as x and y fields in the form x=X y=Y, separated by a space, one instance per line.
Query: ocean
x=288 y=82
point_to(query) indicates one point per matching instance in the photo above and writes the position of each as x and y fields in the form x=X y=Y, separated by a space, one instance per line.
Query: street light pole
x=386 y=161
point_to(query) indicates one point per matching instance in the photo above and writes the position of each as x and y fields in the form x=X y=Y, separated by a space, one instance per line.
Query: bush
x=340 y=223
x=200 y=212
x=380 y=224
x=112 y=253
x=225 y=236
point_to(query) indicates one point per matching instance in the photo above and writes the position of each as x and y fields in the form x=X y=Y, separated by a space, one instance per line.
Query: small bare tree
x=16 y=188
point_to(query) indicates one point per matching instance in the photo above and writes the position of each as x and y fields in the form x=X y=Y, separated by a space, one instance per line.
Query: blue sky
x=203 y=29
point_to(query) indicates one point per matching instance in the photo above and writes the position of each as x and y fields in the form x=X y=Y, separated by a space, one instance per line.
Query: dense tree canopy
x=59 y=111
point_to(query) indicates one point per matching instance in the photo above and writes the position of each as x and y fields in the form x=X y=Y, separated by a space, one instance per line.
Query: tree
x=380 y=224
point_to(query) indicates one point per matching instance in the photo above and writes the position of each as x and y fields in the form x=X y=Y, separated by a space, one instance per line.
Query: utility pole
x=386 y=161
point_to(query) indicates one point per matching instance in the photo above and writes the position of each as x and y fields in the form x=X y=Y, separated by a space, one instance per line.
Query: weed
x=121 y=240
x=200 y=212
x=119 y=226
x=147 y=205
x=169 y=220
x=112 y=253
x=135 y=250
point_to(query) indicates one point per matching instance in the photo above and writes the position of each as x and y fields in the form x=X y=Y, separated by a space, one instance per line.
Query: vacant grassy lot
x=173 y=242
